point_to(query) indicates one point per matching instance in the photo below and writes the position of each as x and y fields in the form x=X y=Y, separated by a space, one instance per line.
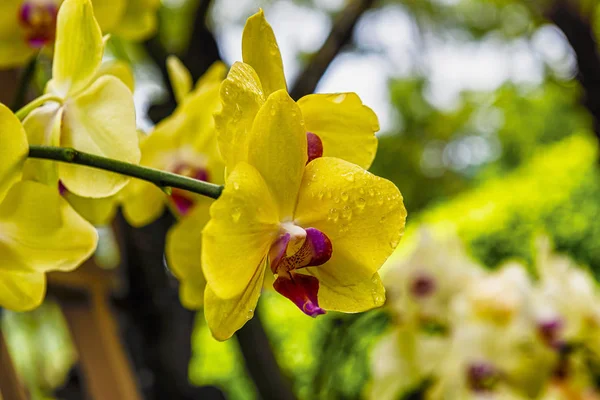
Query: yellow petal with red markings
x=345 y=126
x=362 y=214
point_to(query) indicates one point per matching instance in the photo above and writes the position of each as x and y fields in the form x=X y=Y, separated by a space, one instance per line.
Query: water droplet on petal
x=344 y=196
x=320 y=195
x=236 y=213
x=361 y=203
x=333 y=215
x=377 y=297
x=347 y=213
x=236 y=186
x=250 y=314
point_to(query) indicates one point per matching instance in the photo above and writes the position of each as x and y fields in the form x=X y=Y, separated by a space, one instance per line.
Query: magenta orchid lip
x=182 y=200
x=301 y=289
x=39 y=21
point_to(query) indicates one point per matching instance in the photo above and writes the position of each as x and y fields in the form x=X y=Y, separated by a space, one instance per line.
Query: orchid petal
x=13 y=142
x=236 y=240
x=225 y=317
x=345 y=126
x=100 y=121
x=277 y=149
x=260 y=50
x=78 y=49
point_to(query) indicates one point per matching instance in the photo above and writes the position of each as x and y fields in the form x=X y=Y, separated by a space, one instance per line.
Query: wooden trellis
x=104 y=368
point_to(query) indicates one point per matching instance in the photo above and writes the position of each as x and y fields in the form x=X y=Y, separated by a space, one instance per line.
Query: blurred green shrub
x=556 y=193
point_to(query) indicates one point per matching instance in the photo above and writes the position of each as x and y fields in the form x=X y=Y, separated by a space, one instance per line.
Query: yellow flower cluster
x=460 y=332
x=297 y=199
x=27 y=26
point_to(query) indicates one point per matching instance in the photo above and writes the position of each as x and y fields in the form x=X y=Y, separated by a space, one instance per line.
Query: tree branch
x=579 y=32
x=261 y=363
x=340 y=35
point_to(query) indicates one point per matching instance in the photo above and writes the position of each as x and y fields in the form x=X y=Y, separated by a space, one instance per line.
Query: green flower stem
x=160 y=178
x=24 y=112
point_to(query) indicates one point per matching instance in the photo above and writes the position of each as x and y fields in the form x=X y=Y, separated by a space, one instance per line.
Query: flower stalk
x=162 y=179
x=24 y=111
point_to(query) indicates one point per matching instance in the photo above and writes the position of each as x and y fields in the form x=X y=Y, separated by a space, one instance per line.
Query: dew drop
x=236 y=186
x=336 y=200
x=378 y=298
x=361 y=191
x=340 y=98
x=361 y=203
x=394 y=243
x=333 y=215
x=250 y=314
x=349 y=177
x=236 y=213
x=371 y=192
x=320 y=195
x=347 y=213
x=344 y=196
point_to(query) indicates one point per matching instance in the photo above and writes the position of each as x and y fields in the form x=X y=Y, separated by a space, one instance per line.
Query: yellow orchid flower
x=26 y=26
x=337 y=125
x=323 y=228
x=39 y=231
x=185 y=143
x=101 y=211
x=93 y=113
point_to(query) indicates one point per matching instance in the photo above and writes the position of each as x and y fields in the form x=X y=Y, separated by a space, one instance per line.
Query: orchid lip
x=314 y=249
x=39 y=22
x=549 y=331
x=181 y=200
x=302 y=290
x=423 y=285
x=481 y=376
